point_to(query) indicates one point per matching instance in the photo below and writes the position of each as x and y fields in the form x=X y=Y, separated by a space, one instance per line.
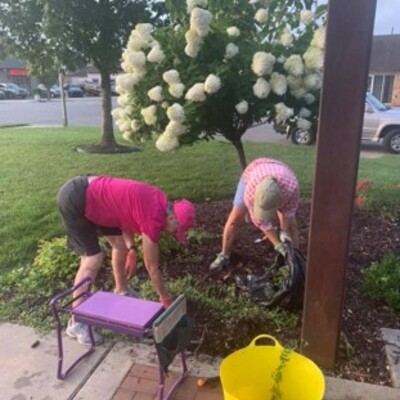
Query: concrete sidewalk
x=117 y=372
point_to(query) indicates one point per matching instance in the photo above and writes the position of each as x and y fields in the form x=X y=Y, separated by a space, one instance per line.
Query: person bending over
x=268 y=191
x=91 y=206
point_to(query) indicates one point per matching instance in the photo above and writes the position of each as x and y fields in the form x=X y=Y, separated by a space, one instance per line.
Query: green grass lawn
x=34 y=163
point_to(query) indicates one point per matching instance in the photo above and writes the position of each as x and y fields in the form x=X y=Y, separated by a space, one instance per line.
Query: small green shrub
x=382 y=281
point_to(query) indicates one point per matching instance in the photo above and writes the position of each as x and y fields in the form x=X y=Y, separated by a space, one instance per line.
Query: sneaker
x=81 y=333
x=218 y=264
x=130 y=292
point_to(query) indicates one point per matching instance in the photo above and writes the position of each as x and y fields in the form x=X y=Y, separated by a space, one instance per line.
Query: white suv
x=381 y=124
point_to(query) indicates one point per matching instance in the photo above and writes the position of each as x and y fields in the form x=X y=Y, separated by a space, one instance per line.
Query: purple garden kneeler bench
x=121 y=314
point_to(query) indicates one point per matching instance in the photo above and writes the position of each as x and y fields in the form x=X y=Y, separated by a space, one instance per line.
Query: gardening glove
x=284 y=237
x=130 y=263
x=166 y=301
x=281 y=248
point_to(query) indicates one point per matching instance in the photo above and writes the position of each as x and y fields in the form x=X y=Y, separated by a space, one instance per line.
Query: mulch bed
x=363 y=358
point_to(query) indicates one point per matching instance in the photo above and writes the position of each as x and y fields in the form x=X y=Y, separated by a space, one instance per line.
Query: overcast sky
x=387 y=17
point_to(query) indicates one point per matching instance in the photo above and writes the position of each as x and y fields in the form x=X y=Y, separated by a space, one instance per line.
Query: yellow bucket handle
x=263 y=336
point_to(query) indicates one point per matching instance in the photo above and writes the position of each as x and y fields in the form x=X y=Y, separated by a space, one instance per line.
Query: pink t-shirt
x=133 y=207
x=262 y=168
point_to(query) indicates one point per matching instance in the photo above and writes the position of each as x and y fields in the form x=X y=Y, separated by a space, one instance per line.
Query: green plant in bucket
x=278 y=373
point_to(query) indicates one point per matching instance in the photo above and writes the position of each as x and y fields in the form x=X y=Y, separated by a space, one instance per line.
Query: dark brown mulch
x=372 y=238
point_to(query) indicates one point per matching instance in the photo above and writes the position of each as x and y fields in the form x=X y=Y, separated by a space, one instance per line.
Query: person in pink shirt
x=267 y=192
x=119 y=209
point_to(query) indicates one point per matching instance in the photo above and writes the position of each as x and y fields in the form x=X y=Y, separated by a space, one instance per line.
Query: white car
x=381 y=124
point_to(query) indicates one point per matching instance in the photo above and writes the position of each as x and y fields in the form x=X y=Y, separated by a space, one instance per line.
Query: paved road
x=87 y=112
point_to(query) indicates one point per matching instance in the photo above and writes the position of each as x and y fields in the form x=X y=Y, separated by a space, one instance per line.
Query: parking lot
x=87 y=111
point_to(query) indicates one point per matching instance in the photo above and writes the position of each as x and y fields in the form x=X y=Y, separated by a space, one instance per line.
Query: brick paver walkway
x=141 y=383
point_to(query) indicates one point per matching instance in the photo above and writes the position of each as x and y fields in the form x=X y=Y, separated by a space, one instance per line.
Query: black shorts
x=82 y=234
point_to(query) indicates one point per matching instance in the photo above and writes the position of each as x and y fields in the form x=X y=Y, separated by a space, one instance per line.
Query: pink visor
x=185 y=213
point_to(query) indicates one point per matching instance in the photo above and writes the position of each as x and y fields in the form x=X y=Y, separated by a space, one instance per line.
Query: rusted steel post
x=348 y=44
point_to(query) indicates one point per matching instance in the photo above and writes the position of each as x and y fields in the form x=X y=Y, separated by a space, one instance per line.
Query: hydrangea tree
x=221 y=67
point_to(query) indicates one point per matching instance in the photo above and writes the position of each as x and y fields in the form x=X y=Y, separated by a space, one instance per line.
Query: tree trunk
x=239 y=148
x=63 y=101
x=107 y=139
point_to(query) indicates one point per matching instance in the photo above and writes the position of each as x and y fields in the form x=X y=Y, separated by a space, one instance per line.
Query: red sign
x=17 y=72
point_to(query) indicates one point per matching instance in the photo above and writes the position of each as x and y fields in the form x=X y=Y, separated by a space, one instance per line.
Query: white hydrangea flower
x=314 y=58
x=155 y=93
x=312 y=81
x=242 y=107
x=278 y=83
x=171 y=76
x=263 y=63
x=176 y=90
x=231 y=51
x=233 y=31
x=262 y=88
x=196 y=93
x=156 y=55
x=304 y=113
x=283 y=113
x=261 y=16
x=123 y=100
x=294 y=65
x=303 y=124
x=200 y=21
x=298 y=92
x=176 y=113
x=135 y=125
x=126 y=82
x=145 y=30
x=165 y=104
x=212 y=84
x=309 y=98
x=167 y=142
x=137 y=59
x=286 y=38
x=193 y=38
x=319 y=38
x=123 y=124
x=294 y=82
x=253 y=1
x=149 y=115
x=136 y=41
x=306 y=16
x=117 y=112
x=192 y=50
x=191 y=4
x=175 y=128
x=127 y=135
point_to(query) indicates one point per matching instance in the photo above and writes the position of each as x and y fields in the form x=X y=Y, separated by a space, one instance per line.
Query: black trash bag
x=282 y=285
x=175 y=342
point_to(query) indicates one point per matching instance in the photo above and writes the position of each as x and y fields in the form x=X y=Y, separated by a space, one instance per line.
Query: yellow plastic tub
x=252 y=373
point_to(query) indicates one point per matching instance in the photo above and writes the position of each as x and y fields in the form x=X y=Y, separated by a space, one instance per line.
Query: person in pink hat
x=119 y=209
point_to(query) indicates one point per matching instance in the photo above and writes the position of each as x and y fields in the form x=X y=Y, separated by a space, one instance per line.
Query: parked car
x=74 y=91
x=21 y=93
x=55 y=91
x=381 y=124
x=114 y=90
x=91 y=89
x=9 y=91
x=2 y=95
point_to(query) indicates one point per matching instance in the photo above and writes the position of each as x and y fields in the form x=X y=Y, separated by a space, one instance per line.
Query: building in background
x=13 y=70
x=384 y=75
